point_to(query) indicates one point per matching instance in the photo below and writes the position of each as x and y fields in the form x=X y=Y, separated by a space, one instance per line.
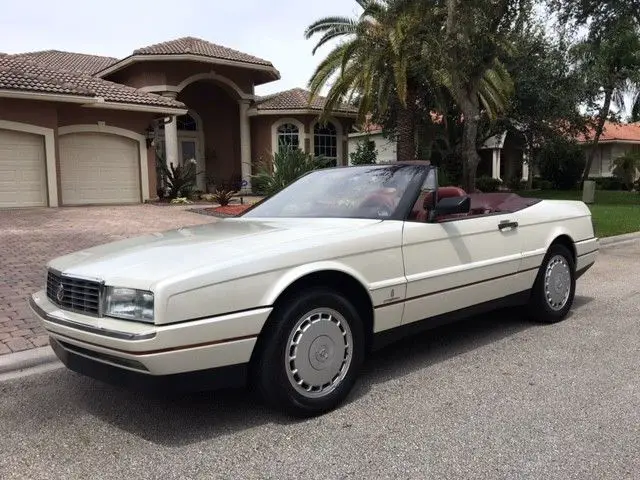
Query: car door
x=460 y=263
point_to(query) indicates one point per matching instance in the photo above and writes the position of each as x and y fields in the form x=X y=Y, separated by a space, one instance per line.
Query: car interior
x=479 y=204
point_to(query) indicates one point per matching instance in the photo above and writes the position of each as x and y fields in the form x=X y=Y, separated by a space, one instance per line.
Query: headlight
x=129 y=304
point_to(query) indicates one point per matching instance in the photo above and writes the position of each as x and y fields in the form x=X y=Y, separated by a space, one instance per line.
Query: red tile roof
x=69 y=61
x=615 y=132
x=297 y=99
x=19 y=74
x=197 y=46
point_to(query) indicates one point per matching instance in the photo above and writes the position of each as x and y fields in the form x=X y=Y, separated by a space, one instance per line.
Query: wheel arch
x=565 y=240
x=334 y=277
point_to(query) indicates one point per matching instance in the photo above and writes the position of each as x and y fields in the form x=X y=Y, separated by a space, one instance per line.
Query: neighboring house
x=386 y=148
x=79 y=129
x=502 y=154
x=616 y=140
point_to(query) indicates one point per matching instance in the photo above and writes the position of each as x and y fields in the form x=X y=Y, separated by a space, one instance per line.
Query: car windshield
x=371 y=191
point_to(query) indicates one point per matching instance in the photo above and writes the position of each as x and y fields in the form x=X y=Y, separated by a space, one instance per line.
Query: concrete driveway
x=493 y=397
x=30 y=237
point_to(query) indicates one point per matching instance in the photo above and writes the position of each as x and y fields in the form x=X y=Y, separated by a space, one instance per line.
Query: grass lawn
x=614 y=213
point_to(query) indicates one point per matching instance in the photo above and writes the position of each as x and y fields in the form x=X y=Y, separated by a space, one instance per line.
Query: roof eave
x=137 y=107
x=131 y=59
x=49 y=97
x=609 y=141
x=298 y=111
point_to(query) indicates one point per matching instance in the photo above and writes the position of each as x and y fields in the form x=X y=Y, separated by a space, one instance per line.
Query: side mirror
x=452 y=205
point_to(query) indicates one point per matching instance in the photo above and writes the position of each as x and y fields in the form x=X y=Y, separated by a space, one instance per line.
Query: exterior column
x=495 y=172
x=525 y=168
x=245 y=145
x=171 y=136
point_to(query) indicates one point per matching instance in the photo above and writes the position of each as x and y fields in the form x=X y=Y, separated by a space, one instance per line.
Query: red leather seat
x=420 y=211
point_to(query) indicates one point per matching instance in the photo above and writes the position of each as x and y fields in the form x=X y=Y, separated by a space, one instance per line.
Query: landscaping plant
x=365 y=154
x=626 y=168
x=286 y=165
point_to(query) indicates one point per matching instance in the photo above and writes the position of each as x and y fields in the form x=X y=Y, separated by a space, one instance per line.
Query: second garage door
x=98 y=168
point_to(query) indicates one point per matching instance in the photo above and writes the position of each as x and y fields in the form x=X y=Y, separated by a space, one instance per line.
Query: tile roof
x=197 y=46
x=19 y=74
x=69 y=61
x=297 y=99
x=615 y=132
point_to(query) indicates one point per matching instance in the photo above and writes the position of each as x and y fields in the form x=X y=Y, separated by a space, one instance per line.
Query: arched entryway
x=191 y=143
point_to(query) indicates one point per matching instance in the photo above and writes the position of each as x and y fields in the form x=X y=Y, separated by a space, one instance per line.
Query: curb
x=27 y=359
x=619 y=239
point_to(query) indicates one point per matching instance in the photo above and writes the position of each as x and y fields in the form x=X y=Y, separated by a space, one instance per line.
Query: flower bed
x=226 y=211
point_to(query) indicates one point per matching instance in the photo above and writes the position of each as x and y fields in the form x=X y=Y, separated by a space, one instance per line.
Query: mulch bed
x=222 y=212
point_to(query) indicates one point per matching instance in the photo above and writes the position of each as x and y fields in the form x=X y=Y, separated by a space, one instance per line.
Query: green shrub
x=487 y=184
x=626 y=168
x=259 y=185
x=286 y=166
x=542 y=184
x=365 y=154
x=608 y=183
x=561 y=162
x=177 y=181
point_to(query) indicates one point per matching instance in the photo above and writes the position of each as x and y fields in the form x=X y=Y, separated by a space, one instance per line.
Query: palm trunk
x=602 y=117
x=469 y=104
x=406 y=128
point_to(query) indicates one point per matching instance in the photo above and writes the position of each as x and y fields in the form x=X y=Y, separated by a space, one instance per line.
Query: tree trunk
x=406 y=128
x=469 y=104
x=602 y=117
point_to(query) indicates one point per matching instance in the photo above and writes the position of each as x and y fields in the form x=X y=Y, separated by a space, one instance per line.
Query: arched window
x=325 y=141
x=186 y=123
x=288 y=136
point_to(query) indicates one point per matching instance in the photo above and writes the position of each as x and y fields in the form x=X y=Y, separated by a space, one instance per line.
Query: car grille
x=74 y=294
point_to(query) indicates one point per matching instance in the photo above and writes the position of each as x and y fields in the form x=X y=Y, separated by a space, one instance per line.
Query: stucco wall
x=262 y=144
x=147 y=73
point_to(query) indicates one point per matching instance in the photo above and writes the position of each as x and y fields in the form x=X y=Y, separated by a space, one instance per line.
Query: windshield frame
x=404 y=207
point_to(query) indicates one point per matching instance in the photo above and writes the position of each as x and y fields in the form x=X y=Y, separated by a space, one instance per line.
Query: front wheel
x=310 y=354
x=555 y=286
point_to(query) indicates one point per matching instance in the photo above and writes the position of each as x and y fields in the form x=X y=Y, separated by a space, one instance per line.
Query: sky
x=270 y=29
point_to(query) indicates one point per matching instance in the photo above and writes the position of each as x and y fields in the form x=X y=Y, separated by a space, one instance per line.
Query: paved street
x=493 y=397
x=31 y=237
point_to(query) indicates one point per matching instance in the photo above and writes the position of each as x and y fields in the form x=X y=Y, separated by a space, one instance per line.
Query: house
x=78 y=129
x=616 y=140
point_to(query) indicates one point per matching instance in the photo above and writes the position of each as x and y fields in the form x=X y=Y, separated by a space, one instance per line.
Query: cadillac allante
x=293 y=295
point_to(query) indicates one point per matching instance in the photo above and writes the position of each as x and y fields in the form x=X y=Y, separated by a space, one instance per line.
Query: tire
x=555 y=286
x=315 y=341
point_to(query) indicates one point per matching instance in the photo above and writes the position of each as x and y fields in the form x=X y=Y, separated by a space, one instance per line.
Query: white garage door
x=99 y=168
x=23 y=181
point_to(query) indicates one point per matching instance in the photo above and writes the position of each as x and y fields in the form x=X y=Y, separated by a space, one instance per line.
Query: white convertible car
x=293 y=295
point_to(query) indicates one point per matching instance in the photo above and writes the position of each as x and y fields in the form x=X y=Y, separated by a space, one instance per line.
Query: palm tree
x=382 y=61
x=375 y=62
x=626 y=101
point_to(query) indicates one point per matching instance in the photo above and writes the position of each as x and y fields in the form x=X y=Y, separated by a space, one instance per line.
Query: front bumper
x=151 y=350
x=230 y=376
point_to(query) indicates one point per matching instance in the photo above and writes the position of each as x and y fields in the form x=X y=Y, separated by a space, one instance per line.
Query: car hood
x=140 y=262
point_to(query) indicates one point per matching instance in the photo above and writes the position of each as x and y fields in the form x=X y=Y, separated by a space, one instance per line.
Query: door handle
x=507 y=224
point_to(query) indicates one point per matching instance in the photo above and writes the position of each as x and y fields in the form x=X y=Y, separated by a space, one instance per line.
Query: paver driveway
x=29 y=238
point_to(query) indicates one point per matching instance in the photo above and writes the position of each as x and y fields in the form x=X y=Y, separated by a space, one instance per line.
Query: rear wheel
x=310 y=354
x=555 y=285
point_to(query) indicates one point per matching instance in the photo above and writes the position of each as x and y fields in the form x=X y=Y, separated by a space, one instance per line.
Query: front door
x=460 y=263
